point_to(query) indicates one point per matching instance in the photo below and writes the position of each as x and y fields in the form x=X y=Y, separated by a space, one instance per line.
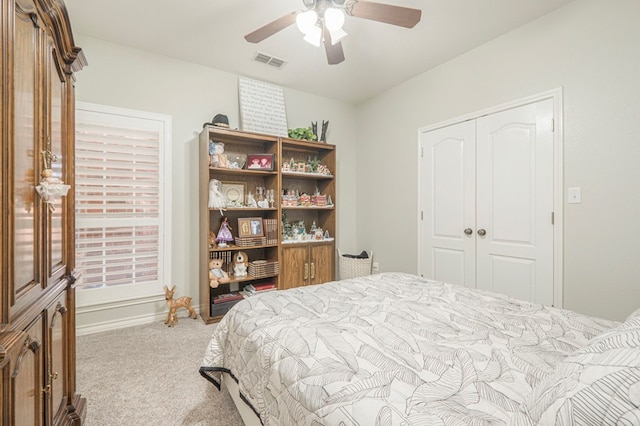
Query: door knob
x=482 y=232
x=468 y=231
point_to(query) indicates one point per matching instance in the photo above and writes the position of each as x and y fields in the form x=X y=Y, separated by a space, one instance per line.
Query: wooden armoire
x=37 y=301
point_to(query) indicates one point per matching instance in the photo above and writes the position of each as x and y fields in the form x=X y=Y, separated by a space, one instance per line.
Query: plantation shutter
x=118 y=199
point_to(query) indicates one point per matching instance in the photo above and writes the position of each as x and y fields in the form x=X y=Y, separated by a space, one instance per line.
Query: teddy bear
x=240 y=263
x=216 y=275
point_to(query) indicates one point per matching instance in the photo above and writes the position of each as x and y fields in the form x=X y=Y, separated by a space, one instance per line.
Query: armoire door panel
x=56 y=91
x=25 y=212
x=26 y=378
x=56 y=374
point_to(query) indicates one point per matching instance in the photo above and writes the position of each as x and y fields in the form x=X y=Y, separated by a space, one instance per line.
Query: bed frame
x=249 y=417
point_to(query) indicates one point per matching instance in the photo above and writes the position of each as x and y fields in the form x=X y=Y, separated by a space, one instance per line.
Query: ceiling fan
x=323 y=19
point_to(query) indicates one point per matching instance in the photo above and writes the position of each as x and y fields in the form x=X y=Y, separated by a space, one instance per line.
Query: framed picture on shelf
x=236 y=160
x=234 y=193
x=260 y=161
x=250 y=227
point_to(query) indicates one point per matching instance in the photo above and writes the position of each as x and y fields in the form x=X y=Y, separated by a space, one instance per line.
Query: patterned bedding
x=391 y=349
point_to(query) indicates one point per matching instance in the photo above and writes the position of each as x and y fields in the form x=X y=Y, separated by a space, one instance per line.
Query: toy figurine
x=219 y=158
x=251 y=202
x=224 y=234
x=240 y=264
x=217 y=200
x=182 y=302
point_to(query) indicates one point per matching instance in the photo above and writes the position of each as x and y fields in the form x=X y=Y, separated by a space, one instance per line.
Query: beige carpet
x=148 y=375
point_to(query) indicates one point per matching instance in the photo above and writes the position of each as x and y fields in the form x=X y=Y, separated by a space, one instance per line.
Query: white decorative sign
x=262 y=107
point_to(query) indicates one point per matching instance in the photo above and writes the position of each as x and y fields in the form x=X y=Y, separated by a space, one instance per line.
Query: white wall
x=590 y=48
x=191 y=95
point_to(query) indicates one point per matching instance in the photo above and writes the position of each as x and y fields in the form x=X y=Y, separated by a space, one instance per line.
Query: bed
x=397 y=349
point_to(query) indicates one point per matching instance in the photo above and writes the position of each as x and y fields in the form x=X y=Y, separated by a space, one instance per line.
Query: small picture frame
x=234 y=193
x=260 y=162
x=250 y=227
x=236 y=160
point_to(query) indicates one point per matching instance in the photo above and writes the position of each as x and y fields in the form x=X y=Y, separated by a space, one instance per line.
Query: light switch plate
x=574 y=195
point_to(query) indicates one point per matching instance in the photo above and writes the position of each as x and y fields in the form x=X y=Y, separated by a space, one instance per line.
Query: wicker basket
x=351 y=268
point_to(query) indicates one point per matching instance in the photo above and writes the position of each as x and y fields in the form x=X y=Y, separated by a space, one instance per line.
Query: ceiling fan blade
x=389 y=14
x=271 y=28
x=335 y=54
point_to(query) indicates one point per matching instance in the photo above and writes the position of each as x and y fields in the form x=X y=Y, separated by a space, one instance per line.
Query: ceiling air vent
x=269 y=60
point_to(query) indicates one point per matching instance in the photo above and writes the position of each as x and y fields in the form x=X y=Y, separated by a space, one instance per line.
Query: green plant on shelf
x=304 y=133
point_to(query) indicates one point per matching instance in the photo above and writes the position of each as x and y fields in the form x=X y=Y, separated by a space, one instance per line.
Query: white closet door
x=515 y=202
x=448 y=203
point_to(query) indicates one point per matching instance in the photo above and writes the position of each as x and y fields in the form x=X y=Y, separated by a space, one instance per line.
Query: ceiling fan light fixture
x=306 y=21
x=323 y=20
x=314 y=37
x=333 y=19
x=337 y=35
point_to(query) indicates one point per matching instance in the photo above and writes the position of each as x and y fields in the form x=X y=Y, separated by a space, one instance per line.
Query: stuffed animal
x=217 y=276
x=240 y=264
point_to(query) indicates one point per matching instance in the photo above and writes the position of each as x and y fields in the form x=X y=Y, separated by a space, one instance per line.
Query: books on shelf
x=227 y=297
x=271 y=230
x=253 y=289
x=264 y=287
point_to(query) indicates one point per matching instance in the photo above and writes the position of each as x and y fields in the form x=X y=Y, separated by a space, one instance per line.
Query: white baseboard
x=86 y=324
x=117 y=324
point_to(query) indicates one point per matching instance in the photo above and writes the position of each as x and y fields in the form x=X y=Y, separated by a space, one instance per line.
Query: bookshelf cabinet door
x=296 y=273
x=321 y=263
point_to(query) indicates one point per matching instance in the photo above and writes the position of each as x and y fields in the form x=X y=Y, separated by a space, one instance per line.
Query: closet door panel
x=515 y=202
x=448 y=203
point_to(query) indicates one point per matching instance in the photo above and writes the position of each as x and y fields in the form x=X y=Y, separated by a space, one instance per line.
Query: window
x=122 y=200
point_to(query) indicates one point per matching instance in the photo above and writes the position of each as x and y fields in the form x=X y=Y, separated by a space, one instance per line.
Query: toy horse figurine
x=182 y=302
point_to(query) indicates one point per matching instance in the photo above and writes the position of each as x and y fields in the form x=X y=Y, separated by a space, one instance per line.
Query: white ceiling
x=378 y=56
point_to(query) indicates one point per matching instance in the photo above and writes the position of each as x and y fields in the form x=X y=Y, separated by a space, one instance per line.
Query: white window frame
x=96 y=296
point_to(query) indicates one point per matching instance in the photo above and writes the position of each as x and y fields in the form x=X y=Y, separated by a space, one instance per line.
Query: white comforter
x=390 y=349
